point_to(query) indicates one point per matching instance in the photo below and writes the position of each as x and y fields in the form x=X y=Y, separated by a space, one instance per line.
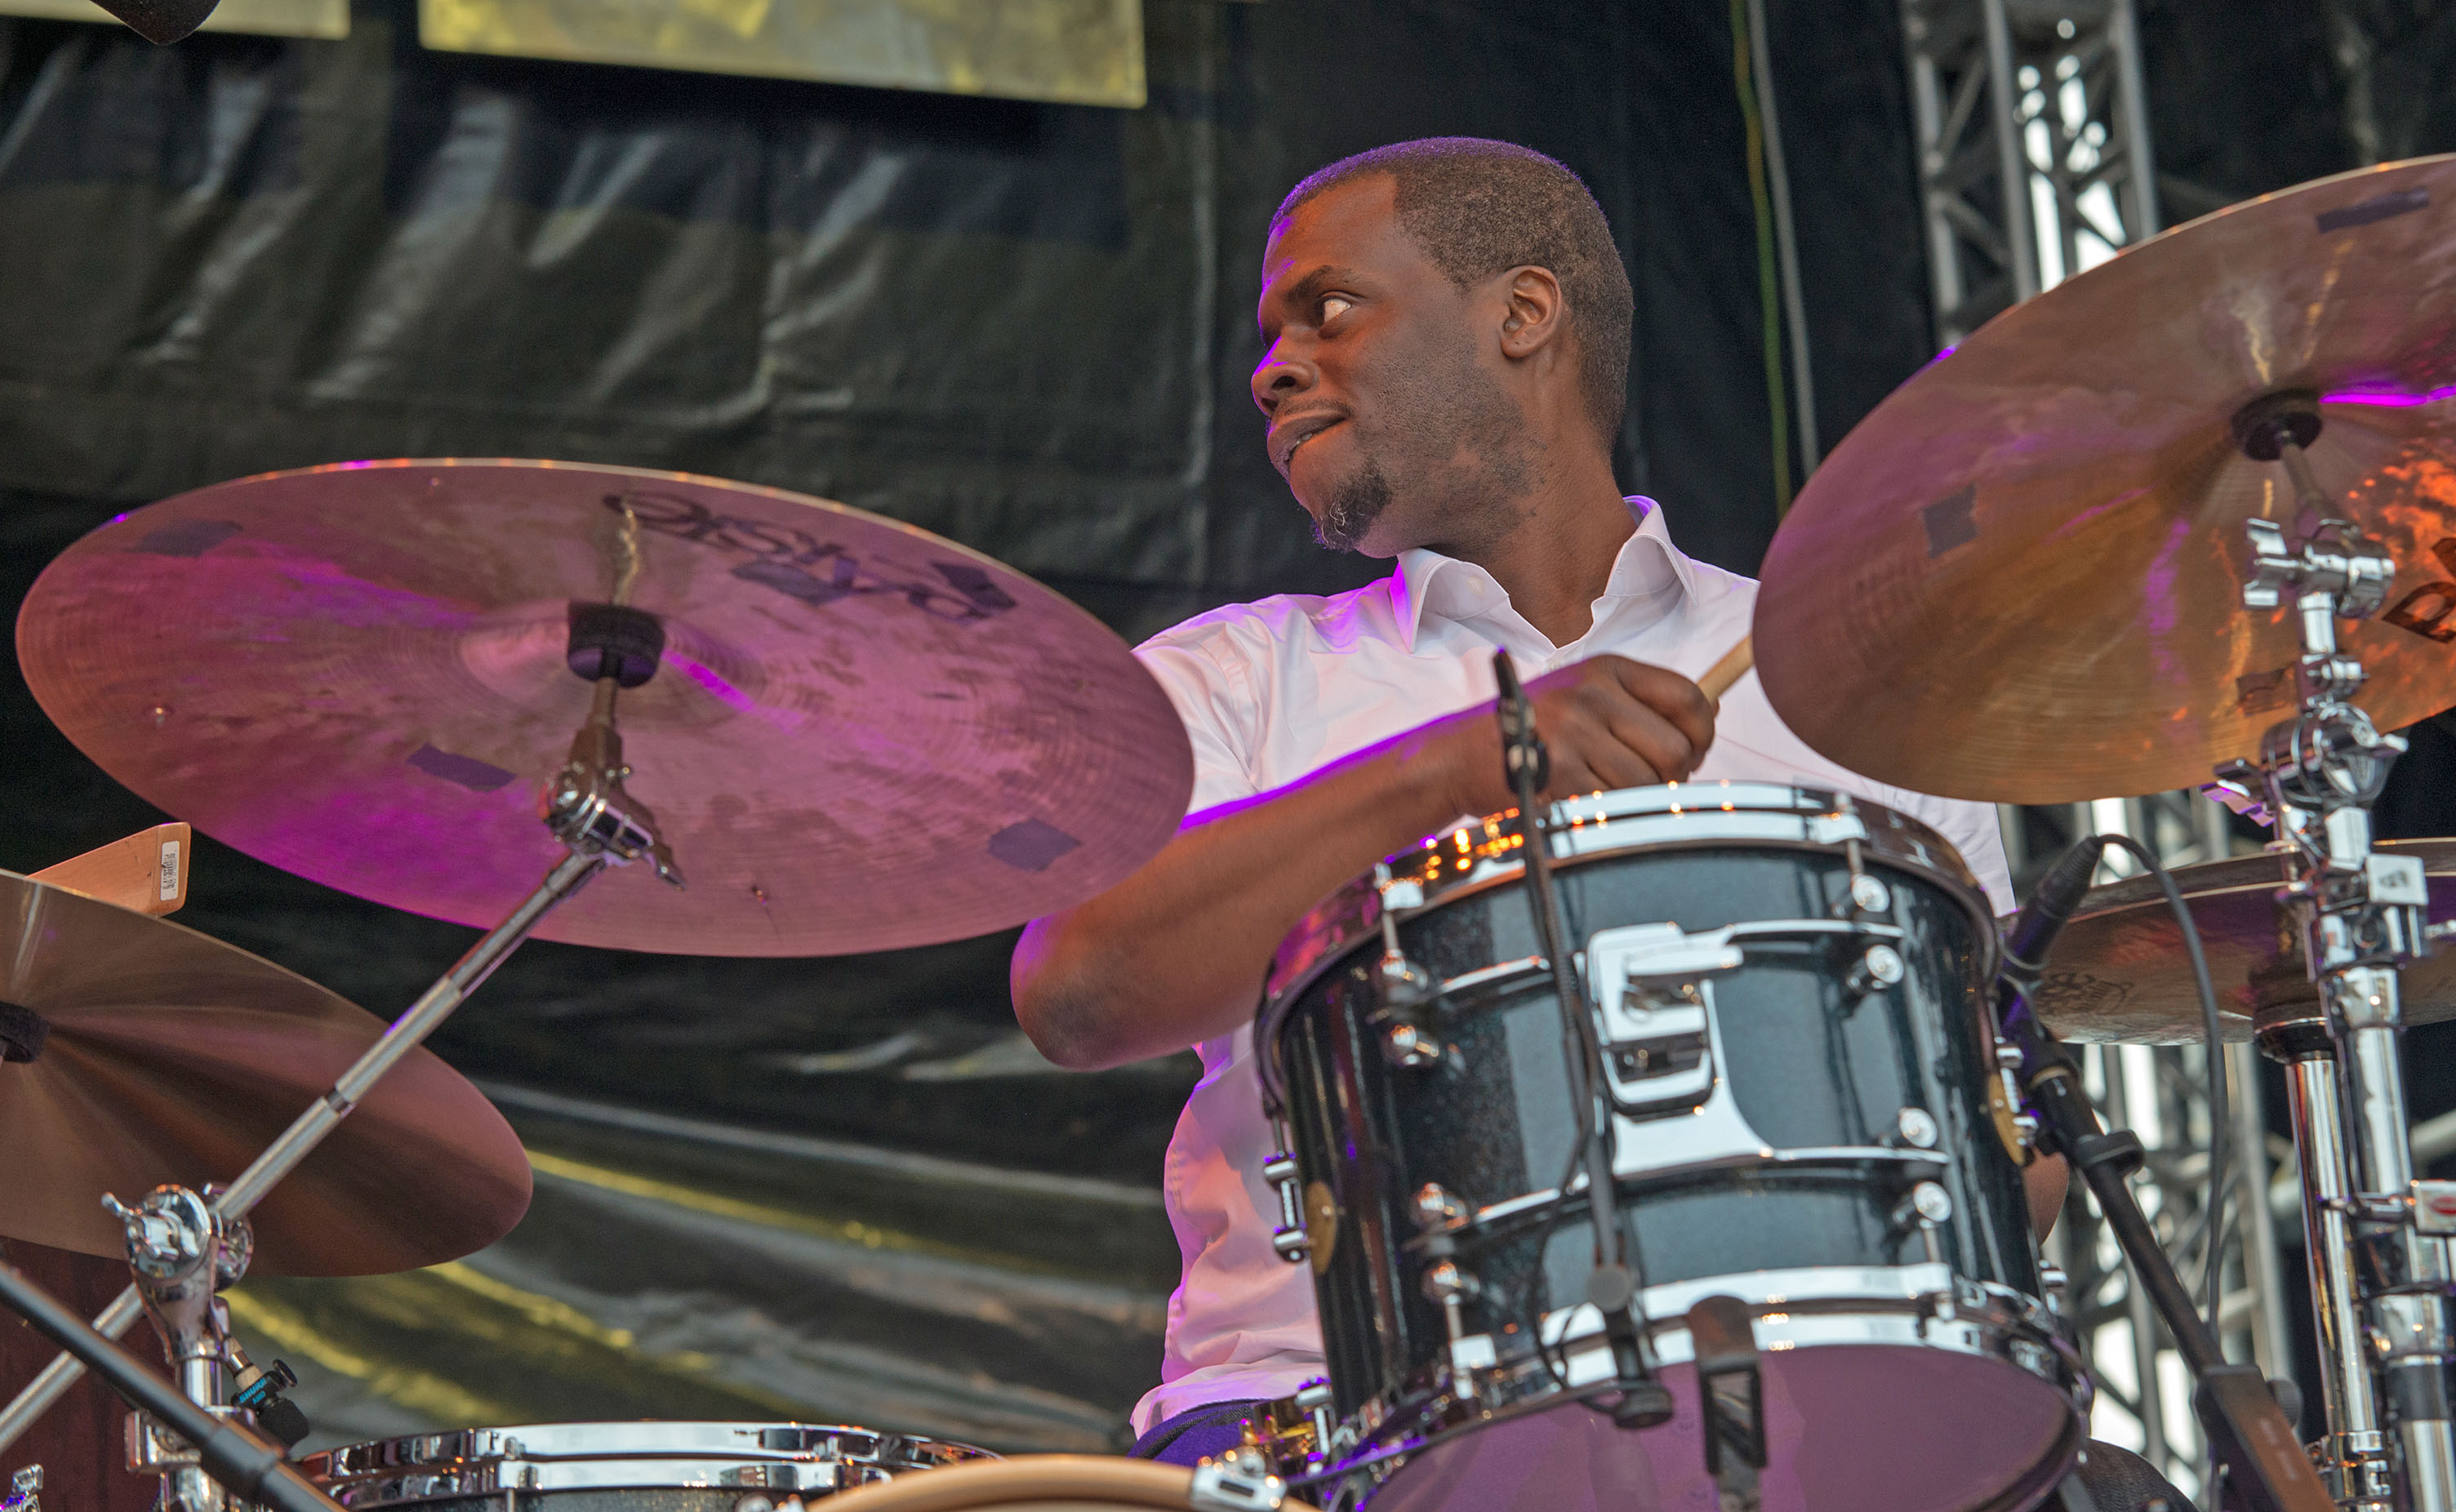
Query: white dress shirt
x=1273 y=691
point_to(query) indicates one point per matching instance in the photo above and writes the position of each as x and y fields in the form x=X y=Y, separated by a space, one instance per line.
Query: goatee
x=1353 y=508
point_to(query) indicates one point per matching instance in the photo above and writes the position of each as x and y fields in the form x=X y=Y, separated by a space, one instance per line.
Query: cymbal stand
x=599 y=825
x=2360 y=914
x=183 y=1257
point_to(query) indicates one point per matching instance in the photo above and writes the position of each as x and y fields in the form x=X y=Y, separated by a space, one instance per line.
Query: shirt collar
x=1648 y=563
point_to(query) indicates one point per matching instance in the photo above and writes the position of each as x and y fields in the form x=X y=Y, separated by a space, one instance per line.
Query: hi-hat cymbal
x=2117 y=973
x=2019 y=579
x=156 y=1054
x=861 y=736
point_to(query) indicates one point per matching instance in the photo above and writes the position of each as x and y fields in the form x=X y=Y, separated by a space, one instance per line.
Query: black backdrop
x=1025 y=326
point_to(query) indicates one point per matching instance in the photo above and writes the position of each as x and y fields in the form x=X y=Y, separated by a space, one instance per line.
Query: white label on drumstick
x=170 y=870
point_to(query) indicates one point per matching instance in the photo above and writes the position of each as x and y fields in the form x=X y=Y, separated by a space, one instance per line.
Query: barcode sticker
x=170 y=870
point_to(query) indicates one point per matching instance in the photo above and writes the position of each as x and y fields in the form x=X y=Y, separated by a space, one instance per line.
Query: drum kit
x=2188 y=518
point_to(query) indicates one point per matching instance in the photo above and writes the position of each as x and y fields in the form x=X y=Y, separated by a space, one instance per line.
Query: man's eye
x=1335 y=305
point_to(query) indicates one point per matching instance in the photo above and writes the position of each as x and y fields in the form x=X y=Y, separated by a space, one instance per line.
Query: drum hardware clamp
x=25 y=1489
x=1240 y=1480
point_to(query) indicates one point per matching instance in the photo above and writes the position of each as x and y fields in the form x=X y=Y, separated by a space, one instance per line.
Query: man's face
x=1381 y=381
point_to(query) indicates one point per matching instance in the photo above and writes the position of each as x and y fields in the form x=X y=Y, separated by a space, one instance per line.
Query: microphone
x=2033 y=930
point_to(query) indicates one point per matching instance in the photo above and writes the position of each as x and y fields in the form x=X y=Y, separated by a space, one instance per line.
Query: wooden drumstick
x=1733 y=667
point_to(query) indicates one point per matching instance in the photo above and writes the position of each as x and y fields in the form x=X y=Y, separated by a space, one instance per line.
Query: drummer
x=1447 y=327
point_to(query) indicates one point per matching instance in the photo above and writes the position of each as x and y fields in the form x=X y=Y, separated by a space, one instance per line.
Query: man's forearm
x=1177 y=953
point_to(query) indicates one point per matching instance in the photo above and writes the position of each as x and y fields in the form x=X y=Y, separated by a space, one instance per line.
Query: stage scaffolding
x=2033 y=164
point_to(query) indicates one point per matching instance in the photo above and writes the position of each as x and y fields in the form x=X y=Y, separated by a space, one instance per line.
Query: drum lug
x=2053 y=1281
x=1914 y=1128
x=1925 y=1206
x=1411 y=1045
x=1240 y=1480
x=1313 y=1399
x=1879 y=968
x=1438 y=1211
x=22 y=1489
x=1868 y=895
x=1281 y=1171
x=2017 y=1131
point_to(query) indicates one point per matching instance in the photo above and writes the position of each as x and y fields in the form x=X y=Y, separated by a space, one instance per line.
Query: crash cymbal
x=135 y=1052
x=2019 y=579
x=2117 y=973
x=861 y=737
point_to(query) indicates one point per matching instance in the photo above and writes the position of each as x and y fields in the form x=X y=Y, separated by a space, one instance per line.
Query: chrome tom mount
x=184 y=1256
x=2379 y=1249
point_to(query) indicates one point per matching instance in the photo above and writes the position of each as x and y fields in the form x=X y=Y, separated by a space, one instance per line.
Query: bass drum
x=1053 y=1483
x=653 y=1467
x=1792 y=994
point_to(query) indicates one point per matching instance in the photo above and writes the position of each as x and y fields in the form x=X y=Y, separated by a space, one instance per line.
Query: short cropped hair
x=1478 y=207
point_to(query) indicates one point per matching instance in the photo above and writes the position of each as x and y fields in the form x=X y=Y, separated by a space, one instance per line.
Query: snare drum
x=649 y=1466
x=1792 y=989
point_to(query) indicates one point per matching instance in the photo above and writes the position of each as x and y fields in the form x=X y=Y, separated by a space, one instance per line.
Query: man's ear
x=1532 y=320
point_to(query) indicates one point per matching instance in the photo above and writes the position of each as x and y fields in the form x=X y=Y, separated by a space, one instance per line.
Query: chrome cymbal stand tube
x=2360 y=914
x=2352 y=1456
x=599 y=825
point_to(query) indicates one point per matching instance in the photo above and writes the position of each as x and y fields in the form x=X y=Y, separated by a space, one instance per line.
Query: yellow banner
x=1074 y=51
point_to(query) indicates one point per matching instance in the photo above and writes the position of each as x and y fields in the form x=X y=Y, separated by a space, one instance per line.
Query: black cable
x=1528 y=1309
x=2213 y=1239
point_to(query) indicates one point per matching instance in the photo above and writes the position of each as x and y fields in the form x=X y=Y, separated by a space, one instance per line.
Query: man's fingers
x=1678 y=701
x=1599 y=765
x=1663 y=748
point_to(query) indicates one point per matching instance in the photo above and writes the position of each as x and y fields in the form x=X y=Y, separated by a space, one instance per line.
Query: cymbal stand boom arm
x=599 y=825
x=2360 y=914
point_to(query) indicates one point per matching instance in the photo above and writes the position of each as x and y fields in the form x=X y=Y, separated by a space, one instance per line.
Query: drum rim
x=1350 y=916
x=444 y=1457
x=1428 y=1411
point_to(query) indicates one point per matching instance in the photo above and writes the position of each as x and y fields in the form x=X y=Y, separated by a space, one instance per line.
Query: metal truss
x=2033 y=164
x=2030 y=122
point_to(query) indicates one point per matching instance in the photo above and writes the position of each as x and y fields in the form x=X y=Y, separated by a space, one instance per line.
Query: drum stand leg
x=2352 y=1456
x=599 y=825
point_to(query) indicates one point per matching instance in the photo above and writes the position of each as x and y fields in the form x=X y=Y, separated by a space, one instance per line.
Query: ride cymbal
x=2019 y=579
x=861 y=737
x=135 y=1052
x=2117 y=973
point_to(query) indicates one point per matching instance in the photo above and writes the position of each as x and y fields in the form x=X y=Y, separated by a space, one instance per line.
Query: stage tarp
x=1026 y=326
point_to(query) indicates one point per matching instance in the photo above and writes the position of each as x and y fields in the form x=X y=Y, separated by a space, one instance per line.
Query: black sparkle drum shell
x=1817 y=1071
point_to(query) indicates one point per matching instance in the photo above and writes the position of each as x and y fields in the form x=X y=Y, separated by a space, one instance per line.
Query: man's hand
x=1606 y=723
x=1174 y=954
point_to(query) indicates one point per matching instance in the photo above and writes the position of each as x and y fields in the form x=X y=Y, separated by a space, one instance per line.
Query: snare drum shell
x=1813 y=1065
x=655 y=1465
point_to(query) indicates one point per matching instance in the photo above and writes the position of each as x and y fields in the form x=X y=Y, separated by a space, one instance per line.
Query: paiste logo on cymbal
x=2426 y=610
x=800 y=565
